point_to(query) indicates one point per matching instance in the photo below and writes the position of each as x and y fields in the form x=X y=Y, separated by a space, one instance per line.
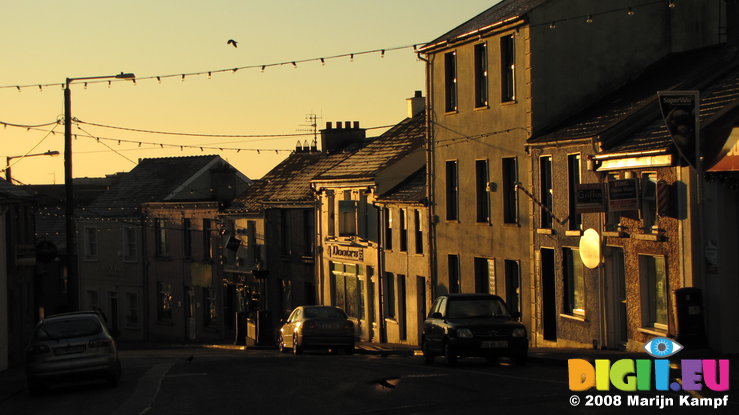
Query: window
x=207 y=252
x=452 y=191
x=284 y=232
x=481 y=75
x=508 y=68
x=132 y=310
x=510 y=198
x=450 y=81
x=308 y=233
x=348 y=290
x=388 y=229
x=130 y=246
x=573 y=177
x=91 y=242
x=453 y=262
x=403 y=230
x=210 y=309
x=419 y=231
x=649 y=201
x=613 y=218
x=513 y=285
x=481 y=191
x=547 y=200
x=482 y=277
x=347 y=217
x=330 y=213
x=390 y=295
x=187 y=237
x=164 y=301
x=402 y=326
x=574 y=282
x=160 y=236
x=654 y=291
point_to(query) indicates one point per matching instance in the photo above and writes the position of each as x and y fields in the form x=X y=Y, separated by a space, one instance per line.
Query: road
x=216 y=381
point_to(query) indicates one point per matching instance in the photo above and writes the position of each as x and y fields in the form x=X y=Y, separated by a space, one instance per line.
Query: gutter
x=631 y=154
x=463 y=36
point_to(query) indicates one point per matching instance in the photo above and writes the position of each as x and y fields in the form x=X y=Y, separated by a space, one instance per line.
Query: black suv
x=473 y=325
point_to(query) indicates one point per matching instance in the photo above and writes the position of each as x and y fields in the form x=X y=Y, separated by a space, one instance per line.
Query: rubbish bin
x=691 y=330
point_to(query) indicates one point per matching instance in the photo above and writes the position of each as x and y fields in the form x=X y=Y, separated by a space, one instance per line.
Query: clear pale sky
x=46 y=41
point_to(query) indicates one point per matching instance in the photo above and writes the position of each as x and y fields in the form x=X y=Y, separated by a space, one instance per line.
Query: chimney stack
x=416 y=105
x=335 y=139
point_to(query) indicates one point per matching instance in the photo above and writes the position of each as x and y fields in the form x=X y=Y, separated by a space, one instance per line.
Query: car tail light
x=100 y=343
x=348 y=324
x=310 y=324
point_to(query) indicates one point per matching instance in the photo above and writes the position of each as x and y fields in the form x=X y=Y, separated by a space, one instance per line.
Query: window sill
x=647 y=237
x=614 y=234
x=545 y=231
x=482 y=108
x=573 y=233
x=573 y=317
x=653 y=331
x=453 y=112
x=511 y=102
x=483 y=223
x=391 y=320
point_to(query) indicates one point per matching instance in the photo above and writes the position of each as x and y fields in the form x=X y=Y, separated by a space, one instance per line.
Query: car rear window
x=61 y=329
x=328 y=313
x=477 y=308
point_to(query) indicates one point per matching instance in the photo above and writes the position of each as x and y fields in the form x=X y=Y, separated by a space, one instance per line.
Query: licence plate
x=494 y=344
x=69 y=350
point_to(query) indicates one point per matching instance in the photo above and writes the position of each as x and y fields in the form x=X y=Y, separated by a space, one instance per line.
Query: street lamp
x=9 y=177
x=72 y=282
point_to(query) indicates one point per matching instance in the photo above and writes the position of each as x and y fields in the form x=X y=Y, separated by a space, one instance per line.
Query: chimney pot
x=328 y=125
x=418 y=94
x=347 y=124
x=339 y=125
x=356 y=124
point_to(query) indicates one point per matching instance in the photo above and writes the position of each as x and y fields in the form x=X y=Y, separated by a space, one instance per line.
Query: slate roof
x=410 y=190
x=150 y=181
x=504 y=10
x=12 y=192
x=629 y=119
x=288 y=182
x=393 y=145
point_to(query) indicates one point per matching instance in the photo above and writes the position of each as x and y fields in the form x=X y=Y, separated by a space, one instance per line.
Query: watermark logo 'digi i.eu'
x=630 y=375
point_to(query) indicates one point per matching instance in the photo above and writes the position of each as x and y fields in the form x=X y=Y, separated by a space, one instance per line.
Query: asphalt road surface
x=216 y=381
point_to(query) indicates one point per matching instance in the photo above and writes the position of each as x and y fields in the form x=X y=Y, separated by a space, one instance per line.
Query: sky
x=47 y=41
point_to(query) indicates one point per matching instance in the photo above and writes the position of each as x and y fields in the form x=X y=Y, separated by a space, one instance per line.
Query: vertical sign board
x=680 y=113
x=623 y=195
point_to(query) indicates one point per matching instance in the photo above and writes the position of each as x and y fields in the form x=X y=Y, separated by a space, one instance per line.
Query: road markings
x=146 y=391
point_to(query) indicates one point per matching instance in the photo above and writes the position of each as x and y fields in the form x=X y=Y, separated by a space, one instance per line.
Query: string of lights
x=591 y=18
x=182 y=76
x=18 y=159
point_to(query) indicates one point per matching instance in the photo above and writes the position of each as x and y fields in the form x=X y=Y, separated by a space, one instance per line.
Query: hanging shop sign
x=680 y=113
x=590 y=198
x=623 y=195
x=590 y=248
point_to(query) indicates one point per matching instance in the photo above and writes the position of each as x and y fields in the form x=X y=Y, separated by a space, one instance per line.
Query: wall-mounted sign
x=590 y=198
x=623 y=195
x=346 y=252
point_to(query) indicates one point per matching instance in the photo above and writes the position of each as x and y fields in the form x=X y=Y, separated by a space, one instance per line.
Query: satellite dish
x=590 y=248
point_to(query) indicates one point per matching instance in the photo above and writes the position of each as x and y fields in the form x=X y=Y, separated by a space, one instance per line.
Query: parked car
x=479 y=325
x=70 y=347
x=316 y=327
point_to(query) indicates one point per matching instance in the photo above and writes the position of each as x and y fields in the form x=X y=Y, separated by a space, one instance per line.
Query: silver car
x=316 y=327
x=70 y=347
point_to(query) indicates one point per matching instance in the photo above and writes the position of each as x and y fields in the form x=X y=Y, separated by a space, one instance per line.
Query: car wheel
x=297 y=348
x=428 y=357
x=451 y=357
x=281 y=345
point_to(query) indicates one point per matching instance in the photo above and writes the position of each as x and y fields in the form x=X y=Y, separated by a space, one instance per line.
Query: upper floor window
x=403 y=230
x=187 y=237
x=207 y=252
x=388 y=228
x=547 y=199
x=285 y=232
x=160 y=236
x=130 y=245
x=347 y=217
x=309 y=232
x=419 y=231
x=573 y=176
x=91 y=242
x=510 y=198
x=508 y=68
x=481 y=75
x=481 y=191
x=452 y=190
x=450 y=81
x=649 y=201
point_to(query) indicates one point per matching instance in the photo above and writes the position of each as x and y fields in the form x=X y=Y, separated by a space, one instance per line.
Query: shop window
x=164 y=301
x=653 y=275
x=574 y=283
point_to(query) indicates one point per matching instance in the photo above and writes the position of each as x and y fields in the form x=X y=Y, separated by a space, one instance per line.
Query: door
x=420 y=305
x=402 y=314
x=616 y=298
x=548 y=295
x=190 y=313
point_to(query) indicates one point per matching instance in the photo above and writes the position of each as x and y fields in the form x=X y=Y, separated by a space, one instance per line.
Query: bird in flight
x=232 y=42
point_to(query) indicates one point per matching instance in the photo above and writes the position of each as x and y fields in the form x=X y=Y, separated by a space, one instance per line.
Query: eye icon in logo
x=660 y=347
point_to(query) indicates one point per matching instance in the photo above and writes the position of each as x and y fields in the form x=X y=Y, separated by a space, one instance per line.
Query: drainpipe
x=430 y=176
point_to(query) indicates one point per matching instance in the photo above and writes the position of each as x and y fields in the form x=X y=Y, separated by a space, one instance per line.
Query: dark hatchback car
x=478 y=325
x=71 y=347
